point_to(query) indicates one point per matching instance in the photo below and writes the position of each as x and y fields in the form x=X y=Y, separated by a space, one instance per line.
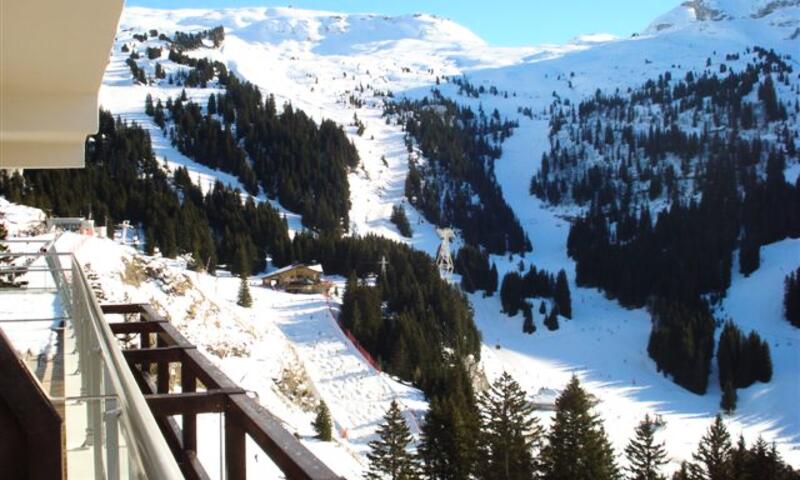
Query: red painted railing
x=363 y=351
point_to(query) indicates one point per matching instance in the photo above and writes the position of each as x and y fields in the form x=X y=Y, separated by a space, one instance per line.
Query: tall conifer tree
x=713 y=457
x=389 y=458
x=791 y=298
x=510 y=434
x=562 y=295
x=577 y=448
x=728 y=400
x=645 y=456
x=244 y=299
x=447 y=448
x=322 y=423
x=5 y=259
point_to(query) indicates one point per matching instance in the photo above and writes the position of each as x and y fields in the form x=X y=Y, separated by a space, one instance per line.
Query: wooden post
x=163 y=371
x=188 y=385
x=235 y=463
x=243 y=416
x=144 y=343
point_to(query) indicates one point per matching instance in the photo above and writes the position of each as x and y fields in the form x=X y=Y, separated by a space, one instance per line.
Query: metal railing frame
x=116 y=403
x=103 y=371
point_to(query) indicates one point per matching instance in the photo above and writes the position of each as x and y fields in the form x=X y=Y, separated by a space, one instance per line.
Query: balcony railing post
x=162 y=378
x=235 y=456
x=95 y=367
x=112 y=431
x=188 y=385
x=88 y=391
x=80 y=324
x=144 y=341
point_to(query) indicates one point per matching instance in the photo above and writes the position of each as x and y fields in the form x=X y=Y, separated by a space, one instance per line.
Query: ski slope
x=317 y=60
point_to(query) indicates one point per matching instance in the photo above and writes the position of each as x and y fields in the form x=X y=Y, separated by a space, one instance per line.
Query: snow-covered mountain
x=782 y=13
x=344 y=67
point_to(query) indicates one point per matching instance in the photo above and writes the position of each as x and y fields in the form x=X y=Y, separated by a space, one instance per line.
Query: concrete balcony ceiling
x=52 y=57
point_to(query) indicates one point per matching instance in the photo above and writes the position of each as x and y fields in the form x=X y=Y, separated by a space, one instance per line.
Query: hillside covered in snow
x=511 y=147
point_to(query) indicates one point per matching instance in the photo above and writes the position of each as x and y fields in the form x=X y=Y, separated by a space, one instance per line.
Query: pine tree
x=8 y=281
x=400 y=220
x=764 y=461
x=728 y=401
x=772 y=106
x=712 y=459
x=551 y=320
x=527 y=323
x=510 y=434
x=577 y=447
x=740 y=458
x=645 y=457
x=749 y=255
x=729 y=353
x=148 y=105
x=791 y=298
x=244 y=299
x=512 y=291
x=322 y=423
x=682 y=473
x=494 y=279
x=682 y=342
x=764 y=363
x=389 y=458
x=448 y=444
x=211 y=106
x=562 y=295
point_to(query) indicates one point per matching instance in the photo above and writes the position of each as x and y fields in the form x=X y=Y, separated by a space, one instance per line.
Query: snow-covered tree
x=244 y=300
x=8 y=281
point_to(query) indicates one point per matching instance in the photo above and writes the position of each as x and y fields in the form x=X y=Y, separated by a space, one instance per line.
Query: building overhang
x=53 y=54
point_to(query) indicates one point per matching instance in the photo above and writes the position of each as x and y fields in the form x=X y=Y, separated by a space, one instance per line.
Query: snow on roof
x=316 y=267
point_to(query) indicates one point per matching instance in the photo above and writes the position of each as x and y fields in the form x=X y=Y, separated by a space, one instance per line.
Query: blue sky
x=500 y=22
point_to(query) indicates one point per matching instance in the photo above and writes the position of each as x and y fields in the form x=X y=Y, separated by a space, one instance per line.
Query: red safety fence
x=360 y=349
x=363 y=351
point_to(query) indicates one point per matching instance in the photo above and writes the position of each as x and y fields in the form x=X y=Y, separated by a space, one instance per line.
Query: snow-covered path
x=356 y=393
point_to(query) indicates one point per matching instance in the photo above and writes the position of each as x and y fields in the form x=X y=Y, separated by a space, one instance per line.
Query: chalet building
x=298 y=278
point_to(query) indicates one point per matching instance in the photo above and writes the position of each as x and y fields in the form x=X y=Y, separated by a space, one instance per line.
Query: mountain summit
x=694 y=11
x=325 y=33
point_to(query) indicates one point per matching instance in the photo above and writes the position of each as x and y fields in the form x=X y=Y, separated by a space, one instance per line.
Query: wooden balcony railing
x=159 y=345
x=31 y=437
